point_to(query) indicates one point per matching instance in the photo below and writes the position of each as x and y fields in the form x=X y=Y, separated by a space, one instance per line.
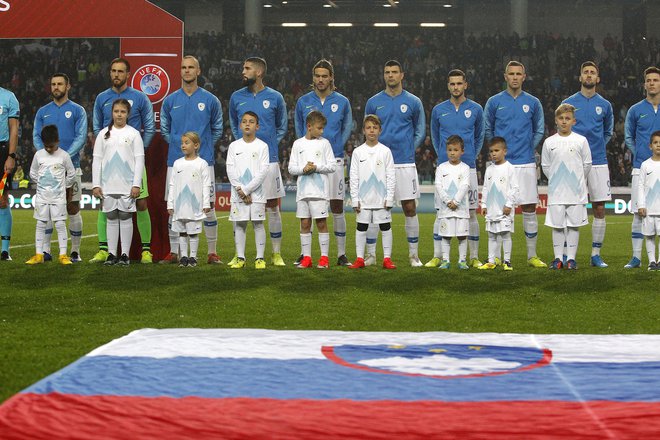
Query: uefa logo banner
x=153 y=81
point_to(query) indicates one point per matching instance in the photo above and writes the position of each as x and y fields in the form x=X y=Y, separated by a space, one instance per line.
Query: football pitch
x=51 y=315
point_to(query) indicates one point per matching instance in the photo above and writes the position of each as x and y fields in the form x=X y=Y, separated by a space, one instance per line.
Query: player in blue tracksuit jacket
x=337 y=110
x=9 y=116
x=192 y=108
x=404 y=129
x=269 y=105
x=462 y=117
x=71 y=122
x=141 y=118
x=642 y=119
x=595 y=121
x=517 y=117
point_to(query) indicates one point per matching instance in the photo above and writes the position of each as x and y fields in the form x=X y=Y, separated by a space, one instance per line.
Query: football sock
x=492 y=247
x=183 y=246
x=446 y=248
x=324 y=243
x=194 y=244
x=437 y=239
x=5 y=227
x=211 y=231
x=462 y=249
x=39 y=235
x=239 y=238
x=174 y=237
x=507 y=245
x=558 y=239
x=126 y=231
x=60 y=226
x=372 y=239
x=275 y=228
x=637 y=236
x=112 y=235
x=48 y=236
x=339 y=224
x=259 y=238
x=650 y=248
x=75 y=229
x=144 y=228
x=531 y=228
x=473 y=235
x=387 y=243
x=306 y=244
x=412 y=233
x=597 y=234
x=572 y=239
x=102 y=230
x=360 y=241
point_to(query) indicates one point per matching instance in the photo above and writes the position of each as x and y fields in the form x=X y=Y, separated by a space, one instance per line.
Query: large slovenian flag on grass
x=231 y=384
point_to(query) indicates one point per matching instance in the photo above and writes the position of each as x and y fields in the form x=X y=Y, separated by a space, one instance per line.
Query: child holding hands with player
x=648 y=199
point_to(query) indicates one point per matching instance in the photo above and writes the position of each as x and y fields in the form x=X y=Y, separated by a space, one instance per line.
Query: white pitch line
x=52 y=241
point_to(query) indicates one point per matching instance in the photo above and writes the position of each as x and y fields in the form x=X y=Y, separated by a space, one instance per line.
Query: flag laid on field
x=230 y=384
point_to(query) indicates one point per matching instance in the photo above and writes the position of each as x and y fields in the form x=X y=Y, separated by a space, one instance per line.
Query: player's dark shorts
x=4 y=154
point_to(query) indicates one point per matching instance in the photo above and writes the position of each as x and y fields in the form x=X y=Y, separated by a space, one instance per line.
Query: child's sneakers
x=556 y=264
x=444 y=264
x=323 y=262
x=213 y=259
x=507 y=265
x=342 y=260
x=183 y=262
x=277 y=260
x=536 y=262
x=123 y=260
x=100 y=257
x=111 y=260
x=475 y=263
x=387 y=263
x=634 y=263
x=415 y=262
x=369 y=260
x=240 y=263
x=47 y=257
x=462 y=265
x=571 y=265
x=259 y=263
x=433 y=262
x=357 y=264
x=597 y=261
x=64 y=259
x=36 y=259
x=305 y=263
x=75 y=257
x=653 y=266
x=192 y=262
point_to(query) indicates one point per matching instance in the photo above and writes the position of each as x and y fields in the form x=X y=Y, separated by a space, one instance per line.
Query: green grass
x=52 y=315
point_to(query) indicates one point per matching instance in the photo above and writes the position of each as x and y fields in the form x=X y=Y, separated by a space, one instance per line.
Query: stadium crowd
x=552 y=63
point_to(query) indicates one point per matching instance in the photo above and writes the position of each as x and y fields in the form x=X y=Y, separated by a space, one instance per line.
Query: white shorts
x=526 y=175
x=633 y=191
x=336 y=182
x=375 y=216
x=76 y=188
x=121 y=203
x=315 y=208
x=240 y=212
x=505 y=224
x=473 y=193
x=651 y=225
x=598 y=182
x=561 y=216
x=45 y=212
x=211 y=176
x=407 y=183
x=190 y=227
x=454 y=227
x=272 y=186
